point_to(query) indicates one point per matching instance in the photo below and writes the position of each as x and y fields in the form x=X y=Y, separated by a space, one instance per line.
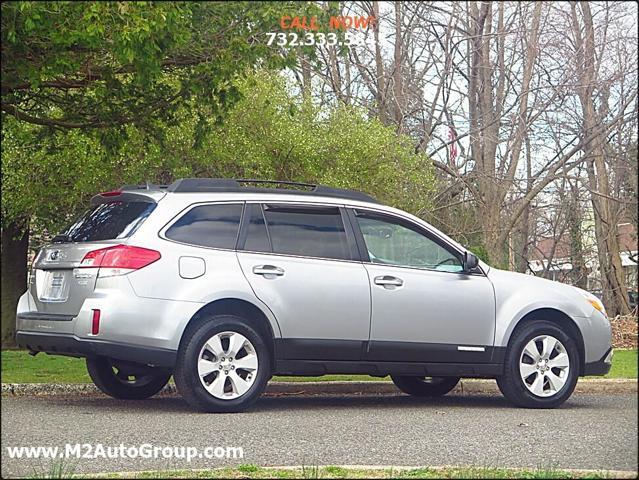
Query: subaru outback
x=224 y=283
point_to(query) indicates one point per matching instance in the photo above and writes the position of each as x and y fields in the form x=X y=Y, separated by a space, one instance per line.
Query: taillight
x=112 y=193
x=120 y=259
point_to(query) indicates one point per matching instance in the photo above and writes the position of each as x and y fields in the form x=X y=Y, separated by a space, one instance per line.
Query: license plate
x=55 y=287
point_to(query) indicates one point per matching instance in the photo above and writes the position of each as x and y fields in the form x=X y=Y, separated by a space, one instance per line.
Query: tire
x=425 y=386
x=222 y=377
x=126 y=381
x=547 y=376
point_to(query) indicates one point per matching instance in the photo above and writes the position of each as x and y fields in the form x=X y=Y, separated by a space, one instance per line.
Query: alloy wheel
x=544 y=365
x=227 y=365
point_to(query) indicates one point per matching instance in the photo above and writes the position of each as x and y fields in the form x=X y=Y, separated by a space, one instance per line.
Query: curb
x=392 y=468
x=465 y=387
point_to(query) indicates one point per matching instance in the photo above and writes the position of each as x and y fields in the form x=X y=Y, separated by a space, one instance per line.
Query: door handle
x=268 y=270
x=388 y=281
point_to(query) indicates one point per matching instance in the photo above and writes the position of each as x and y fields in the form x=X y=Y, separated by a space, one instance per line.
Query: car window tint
x=390 y=242
x=208 y=226
x=108 y=221
x=256 y=236
x=307 y=231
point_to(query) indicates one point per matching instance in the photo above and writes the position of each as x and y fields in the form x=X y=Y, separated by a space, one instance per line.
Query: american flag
x=452 y=135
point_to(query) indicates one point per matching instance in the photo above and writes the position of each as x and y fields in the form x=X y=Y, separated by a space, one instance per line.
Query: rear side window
x=107 y=221
x=208 y=226
x=307 y=231
x=256 y=236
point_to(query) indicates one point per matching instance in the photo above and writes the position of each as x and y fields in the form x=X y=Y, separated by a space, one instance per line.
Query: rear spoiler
x=124 y=196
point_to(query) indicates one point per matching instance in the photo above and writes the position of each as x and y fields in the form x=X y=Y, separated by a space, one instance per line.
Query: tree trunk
x=521 y=262
x=615 y=293
x=13 y=266
x=398 y=87
x=491 y=233
x=579 y=272
x=612 y=278
x=306 y=77
x=522 y=247
x=379 y=68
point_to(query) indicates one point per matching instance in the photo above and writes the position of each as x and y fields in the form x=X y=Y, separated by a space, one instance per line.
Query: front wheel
x=425 y=386
x=541 y=366
x=124 y=380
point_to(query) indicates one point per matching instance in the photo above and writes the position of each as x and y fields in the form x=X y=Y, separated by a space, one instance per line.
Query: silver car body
x=328 y=311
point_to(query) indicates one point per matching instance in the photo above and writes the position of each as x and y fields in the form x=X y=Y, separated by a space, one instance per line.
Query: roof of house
x=627 y=237
x=543 y=249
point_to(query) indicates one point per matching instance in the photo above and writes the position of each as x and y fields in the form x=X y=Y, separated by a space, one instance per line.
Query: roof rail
x=194 y=185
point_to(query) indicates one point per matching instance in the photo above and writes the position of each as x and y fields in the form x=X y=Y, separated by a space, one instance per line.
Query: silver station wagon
x=224 y=283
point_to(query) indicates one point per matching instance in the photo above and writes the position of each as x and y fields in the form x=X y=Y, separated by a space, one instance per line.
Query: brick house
x=551 y=258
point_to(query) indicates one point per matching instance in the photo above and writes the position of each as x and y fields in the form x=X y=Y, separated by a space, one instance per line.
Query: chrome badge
x=55 y=255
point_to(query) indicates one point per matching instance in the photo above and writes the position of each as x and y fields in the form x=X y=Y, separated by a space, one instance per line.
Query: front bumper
x=68 y=344
x=601 y=366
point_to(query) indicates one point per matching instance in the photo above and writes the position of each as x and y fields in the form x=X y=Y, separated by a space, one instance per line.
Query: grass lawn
x=624 y=364
x=19 y=367
x=252 y=471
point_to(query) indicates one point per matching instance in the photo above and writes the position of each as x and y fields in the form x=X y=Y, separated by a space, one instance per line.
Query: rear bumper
x=46 y=317
x=601 y=366
x=126 y=319
x=68 y=344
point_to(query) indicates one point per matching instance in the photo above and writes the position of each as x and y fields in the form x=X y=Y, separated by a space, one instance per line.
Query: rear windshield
x=107 y=221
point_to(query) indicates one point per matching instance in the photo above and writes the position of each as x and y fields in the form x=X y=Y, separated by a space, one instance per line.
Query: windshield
x=107 y=221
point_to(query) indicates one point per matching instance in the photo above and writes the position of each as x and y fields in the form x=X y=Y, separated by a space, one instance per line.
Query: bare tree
x=593 y=90
x=536 y=97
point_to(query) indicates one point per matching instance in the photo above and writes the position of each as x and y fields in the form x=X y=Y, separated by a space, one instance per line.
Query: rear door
x=58 y=285
x=301 y=261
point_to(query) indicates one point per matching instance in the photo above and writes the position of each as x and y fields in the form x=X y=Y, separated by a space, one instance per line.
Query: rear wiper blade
x=61 y=238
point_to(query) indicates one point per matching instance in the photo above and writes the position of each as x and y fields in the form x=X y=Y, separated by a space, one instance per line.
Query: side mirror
x=470 y=262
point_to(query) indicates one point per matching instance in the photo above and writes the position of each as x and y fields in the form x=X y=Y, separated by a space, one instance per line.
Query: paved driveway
x=589 y=431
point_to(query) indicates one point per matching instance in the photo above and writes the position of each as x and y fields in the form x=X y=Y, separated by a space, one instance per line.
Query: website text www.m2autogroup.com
x=145 y=450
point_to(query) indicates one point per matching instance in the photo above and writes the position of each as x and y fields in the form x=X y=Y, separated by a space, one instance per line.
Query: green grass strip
x=20 y=367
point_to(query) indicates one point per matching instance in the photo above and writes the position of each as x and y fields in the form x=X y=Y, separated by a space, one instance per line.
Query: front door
x=301 y=262
x=425 y=308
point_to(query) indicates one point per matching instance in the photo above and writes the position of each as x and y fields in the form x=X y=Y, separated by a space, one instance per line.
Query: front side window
x=208 y=226
x=391 y=241
x=307 y=231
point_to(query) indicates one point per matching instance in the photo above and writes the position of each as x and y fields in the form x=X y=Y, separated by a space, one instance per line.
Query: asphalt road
x=589 y=432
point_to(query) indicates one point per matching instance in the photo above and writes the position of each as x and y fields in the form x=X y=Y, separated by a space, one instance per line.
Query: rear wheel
x=223 y=365
x=425 y=386
x=541 y=366
x=125 y=380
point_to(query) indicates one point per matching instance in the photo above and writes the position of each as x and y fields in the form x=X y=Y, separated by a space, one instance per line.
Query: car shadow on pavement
x=377 y=402
x=289 y=402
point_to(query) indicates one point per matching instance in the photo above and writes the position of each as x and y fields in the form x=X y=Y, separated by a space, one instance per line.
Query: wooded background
x=501 y=123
